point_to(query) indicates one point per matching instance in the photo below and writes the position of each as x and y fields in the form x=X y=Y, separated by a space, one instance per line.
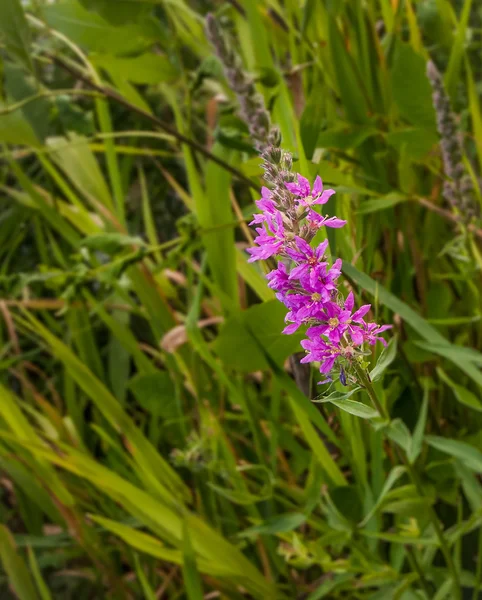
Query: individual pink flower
x=317 y=221
x=306 y=196
x=265 y=204
x=269 y=245
x=307 y=258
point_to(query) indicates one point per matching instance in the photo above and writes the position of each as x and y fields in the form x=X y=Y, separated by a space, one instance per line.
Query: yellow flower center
x=316 y=297
x=334 y=322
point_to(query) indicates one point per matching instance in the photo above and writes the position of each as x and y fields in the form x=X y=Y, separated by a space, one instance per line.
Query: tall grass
x=153 y=441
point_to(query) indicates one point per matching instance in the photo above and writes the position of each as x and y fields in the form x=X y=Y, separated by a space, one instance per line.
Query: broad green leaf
x=21 y=86
x=354 y=408
x=415 y=141
x=117 y=12
x=237 y=348
x=463 y=395
x=453 y=352
x=347 y=502
x=248 y=335
x=143 y=69
x=14 y=31
x=469 y=455
x=407 y=75
x=399 y=433
x=155 y=393
x=90 y=30
x=470 y=484
x=15 y=129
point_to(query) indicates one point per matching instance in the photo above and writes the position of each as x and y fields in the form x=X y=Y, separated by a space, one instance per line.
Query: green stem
x=366 y=383
x=412 y=559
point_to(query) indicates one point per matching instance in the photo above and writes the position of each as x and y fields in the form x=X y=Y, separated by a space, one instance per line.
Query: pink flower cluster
x=304 y=280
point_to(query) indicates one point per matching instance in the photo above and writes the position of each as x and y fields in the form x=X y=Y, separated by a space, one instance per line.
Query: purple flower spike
x=304 y=281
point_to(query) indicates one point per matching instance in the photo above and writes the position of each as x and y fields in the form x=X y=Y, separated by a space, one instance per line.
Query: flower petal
x=317 y=186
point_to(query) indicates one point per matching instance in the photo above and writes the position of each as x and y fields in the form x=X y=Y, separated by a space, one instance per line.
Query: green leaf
x=15 y=567
x=411 y=89
x=345 y=137
x=249 y=334
x=399 y=433
x=192 y=581
x=385 y=359
x=453 y=352
x=469 y=455
x=348 y=503
x=155 y=393
x=458 y=50
x=382 y=203
x=92 y=31
x=110 y=243
x=311 y=120
x=416 y=141
x=392 y=478
x=463 y=395
x=42 y=587
x=15 y=32
x=21 y=85
x=117 y=12
x=73 y=155
x=237 y=348
x=354 y=408
x=419 y=429
x=15 y=129
x=273 y=525
x=143 y=69
x=148 y=592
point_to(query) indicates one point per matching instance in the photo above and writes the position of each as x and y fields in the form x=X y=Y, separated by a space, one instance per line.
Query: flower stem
x=365 y=381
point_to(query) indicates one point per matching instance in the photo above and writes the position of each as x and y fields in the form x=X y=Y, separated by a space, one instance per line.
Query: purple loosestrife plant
x=306 y=283
x=303 y=279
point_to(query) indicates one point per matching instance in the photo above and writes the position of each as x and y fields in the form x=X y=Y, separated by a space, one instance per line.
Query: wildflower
x=268 y=245
x=306 y=283
x=307 y=196
x=308 y=259
x=287 y=223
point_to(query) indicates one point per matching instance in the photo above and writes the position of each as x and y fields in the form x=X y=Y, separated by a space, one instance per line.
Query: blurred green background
x=153 y=443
